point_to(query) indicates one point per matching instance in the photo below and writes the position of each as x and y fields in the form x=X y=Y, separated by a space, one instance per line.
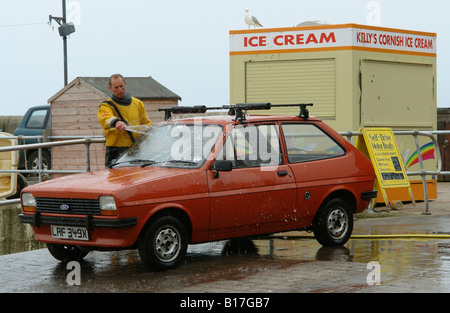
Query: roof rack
x=236 y=109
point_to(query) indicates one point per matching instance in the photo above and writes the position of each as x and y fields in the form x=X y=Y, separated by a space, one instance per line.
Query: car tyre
x=66 y=253
x=333 y=224
x=163 y=244
x=33 y=162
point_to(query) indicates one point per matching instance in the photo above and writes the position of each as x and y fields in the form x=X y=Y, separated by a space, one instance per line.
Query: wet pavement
x=408 y=251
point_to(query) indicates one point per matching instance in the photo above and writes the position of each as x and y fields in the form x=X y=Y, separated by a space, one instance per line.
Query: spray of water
x=140 y=129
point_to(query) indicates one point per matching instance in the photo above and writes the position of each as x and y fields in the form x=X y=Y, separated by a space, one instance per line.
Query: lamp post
x=64 y=29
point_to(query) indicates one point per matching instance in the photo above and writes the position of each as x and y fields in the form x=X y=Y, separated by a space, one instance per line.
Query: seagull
x=251 y=20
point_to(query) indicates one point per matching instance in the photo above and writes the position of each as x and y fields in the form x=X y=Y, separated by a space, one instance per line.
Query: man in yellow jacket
x=117 y=112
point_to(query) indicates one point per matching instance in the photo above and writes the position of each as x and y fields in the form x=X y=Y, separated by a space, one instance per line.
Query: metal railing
x=88 y=140
x=63 y=141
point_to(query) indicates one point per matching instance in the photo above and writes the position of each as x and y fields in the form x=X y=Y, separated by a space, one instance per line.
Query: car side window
x=252 y=146
x=307 y=142
x=37 y=119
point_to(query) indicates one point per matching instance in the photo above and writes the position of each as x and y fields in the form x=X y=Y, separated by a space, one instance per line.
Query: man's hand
x=120 y=126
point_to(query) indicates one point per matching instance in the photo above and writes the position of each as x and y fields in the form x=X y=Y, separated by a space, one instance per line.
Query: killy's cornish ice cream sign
x=332 y=37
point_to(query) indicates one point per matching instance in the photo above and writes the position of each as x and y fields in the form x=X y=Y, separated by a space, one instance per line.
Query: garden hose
x=402 y=236
x=388 y=236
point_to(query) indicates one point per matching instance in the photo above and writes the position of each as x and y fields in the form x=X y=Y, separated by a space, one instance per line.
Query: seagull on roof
x=251 y=20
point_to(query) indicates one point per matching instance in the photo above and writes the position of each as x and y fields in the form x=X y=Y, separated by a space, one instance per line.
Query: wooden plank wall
x=8 y=161
x=74 y=113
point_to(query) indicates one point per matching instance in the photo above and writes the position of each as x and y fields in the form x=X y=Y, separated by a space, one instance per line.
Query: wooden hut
x=74 y=113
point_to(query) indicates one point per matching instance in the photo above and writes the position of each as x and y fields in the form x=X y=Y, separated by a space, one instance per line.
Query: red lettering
x=423 y=43
x=409 y=42
x=331 y=37
x=289 y=40
x=360 y=37
x=311 y=38
x=275 y=40
x=417 y=43
x=252 y=43
x=299 y=39
x=262 y=41
x=255 y=41
x=391 y=40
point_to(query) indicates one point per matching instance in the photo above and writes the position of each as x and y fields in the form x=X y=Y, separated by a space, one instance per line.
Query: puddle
x=400 y=259
x=15 y=236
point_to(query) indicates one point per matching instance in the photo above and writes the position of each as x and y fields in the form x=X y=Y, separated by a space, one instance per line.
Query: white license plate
x=69 y=232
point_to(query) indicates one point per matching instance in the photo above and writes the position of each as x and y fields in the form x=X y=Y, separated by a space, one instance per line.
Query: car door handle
x=282 y=173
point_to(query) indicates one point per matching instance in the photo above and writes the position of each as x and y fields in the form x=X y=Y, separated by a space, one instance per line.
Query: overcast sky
x=183 y=44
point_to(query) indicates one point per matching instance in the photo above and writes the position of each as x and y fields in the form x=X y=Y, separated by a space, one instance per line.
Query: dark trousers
x=113 y=153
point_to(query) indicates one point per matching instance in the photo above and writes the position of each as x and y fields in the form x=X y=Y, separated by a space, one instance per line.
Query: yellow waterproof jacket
x=134 y=114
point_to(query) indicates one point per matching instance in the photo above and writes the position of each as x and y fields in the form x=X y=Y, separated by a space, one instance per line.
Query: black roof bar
x=183 y=109
x=304 y=113
x=240 y=107
x=236 y=109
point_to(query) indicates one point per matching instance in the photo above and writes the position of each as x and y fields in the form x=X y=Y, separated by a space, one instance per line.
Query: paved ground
x=288 y=263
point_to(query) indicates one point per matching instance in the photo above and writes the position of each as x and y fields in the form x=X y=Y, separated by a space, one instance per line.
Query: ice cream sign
x=332 y=37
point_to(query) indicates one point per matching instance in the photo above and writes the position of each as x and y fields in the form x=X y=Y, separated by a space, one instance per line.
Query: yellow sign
x=380 y=146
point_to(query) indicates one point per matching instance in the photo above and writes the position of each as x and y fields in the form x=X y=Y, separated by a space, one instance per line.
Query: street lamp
x=65 y=29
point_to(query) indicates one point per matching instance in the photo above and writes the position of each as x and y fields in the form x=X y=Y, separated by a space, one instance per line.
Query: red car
x=188 y=181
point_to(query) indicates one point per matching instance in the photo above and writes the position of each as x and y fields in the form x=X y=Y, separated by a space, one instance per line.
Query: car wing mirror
x=221 y=165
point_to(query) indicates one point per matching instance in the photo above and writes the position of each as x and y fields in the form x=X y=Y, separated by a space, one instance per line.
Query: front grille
x=68 y=206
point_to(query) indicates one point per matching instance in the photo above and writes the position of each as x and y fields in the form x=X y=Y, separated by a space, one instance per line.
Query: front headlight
x=28 y=202
x=107 y=205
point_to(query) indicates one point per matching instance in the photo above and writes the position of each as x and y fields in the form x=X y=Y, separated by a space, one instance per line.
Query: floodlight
x=66 y=29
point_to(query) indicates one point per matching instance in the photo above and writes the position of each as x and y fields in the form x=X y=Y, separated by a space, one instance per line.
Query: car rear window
x=307 y=142
x=37 y=119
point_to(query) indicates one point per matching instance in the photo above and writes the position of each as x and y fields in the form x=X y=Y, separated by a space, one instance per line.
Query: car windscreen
x=173 y=145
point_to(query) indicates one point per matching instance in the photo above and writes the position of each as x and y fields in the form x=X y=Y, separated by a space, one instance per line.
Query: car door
x=258 y=195
x=317 y=162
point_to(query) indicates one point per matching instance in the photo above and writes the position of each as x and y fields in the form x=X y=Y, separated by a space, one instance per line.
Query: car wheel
x=33 y=162
x=66 y=253
x=163 y=243
x=334 y=223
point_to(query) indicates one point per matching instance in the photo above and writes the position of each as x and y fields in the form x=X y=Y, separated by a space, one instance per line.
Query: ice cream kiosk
x=356 y=76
